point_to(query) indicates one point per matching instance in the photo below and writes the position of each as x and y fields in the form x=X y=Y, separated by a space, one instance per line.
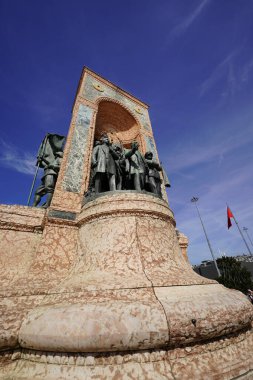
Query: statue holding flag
x=49 y=158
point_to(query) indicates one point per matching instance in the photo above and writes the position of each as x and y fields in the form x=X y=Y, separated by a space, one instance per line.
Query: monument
x=96 y=284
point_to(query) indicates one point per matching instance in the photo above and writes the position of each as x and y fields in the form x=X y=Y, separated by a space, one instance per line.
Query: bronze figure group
x=114 y=167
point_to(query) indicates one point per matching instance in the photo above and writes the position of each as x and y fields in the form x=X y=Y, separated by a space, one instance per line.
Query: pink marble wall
x=110 y=294
x=35 y=254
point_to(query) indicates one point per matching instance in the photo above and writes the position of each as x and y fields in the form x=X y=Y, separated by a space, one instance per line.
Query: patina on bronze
x=114 y=167
x=137 y=166
x=49 y=159
x=103 y=166
x=153 y=179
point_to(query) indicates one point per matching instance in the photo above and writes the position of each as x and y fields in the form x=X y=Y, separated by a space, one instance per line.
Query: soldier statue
x=153 y=180
x=48 y=181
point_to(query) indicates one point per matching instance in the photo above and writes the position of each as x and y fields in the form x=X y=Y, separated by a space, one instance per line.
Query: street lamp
x=195 y=200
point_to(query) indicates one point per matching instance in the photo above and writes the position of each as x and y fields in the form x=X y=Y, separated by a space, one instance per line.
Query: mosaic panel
x=150 y=146
x=73 y=175
x=91 y=92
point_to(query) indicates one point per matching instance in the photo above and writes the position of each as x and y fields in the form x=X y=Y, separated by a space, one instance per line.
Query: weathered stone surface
x=143 y=252
x=81 y=287
x=115 y=293
x=33 y=259
x=13 y=310
x=89 y=310
x=223 y=359
x=32 y=263
x=72 y=179
x=183 y=243
x=21 y=218
x=20 y=235
x=112 y=93
x=115 y=321
x=216 y=310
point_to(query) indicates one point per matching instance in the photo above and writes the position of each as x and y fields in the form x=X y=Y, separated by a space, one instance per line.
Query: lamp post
x=195 y=200
x=246 y=231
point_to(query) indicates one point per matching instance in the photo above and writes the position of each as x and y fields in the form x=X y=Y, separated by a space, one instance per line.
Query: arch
x=118 y=122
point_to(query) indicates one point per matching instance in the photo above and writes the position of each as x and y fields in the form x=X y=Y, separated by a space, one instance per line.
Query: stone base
x=223 y=359
x=107 y=294
x=136 y=319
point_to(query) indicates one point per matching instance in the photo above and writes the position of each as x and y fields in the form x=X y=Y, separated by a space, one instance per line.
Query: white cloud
x=234 y=188
x=215 y=183
x=247 y=68
x=11 y=157
x=184 y=24
x=223 y=68
x=235 y=179
x=189 y=155
x=231 y=76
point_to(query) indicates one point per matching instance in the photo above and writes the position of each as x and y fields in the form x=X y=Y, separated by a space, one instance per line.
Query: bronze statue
x=115 y=168
x=103 y=165
x=153 y=177
x=49 y=159
x=91 y=188
x=120 y=167
x=48 y=181
x=136 y=166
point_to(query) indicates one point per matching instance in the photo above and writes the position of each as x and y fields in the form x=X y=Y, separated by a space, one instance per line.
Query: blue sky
x=191 y=61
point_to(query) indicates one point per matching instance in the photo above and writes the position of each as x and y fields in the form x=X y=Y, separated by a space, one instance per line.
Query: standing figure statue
x=103 y=166
x=120 y=166
x=48 y=181
x=153 y=177
x=91 y=188
x=137 y=166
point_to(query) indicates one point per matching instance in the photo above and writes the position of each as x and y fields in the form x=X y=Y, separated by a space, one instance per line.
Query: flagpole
x=194 y=200
x=37 y=169
x=34 y=179
x=241 y=233
x=246 y=230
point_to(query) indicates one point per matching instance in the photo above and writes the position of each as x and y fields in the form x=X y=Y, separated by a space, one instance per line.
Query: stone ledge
x=227 y=358
x=22 y=218
x=113 y=203
x=135 y=319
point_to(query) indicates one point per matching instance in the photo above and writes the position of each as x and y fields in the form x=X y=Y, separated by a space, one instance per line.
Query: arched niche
x=118 y=123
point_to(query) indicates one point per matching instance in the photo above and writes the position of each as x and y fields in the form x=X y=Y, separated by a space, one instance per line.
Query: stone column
x=75 y=169
x=183 y=244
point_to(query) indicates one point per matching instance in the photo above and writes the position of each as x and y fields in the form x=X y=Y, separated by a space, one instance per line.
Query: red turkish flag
x=230 y=215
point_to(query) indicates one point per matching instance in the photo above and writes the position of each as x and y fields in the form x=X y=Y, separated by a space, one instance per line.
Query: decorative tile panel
x=73 y=176
x=92 y=92
x=150 y=146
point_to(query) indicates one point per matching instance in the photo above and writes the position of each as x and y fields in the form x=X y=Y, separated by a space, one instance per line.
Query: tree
x=234 y=275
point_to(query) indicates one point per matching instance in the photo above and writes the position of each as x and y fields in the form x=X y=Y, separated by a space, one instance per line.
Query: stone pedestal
x=127 y=304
